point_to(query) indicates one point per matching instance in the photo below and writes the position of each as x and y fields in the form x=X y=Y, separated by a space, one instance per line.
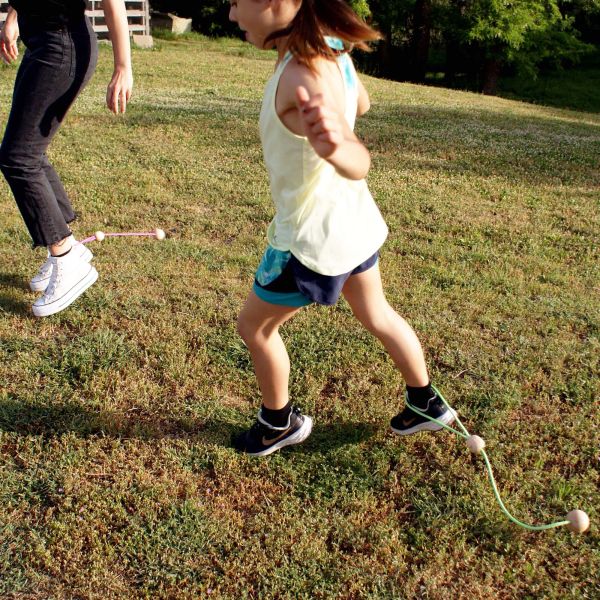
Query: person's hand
x=322 y=125
x=119 y=90
x=331 y=136
x=9 y=51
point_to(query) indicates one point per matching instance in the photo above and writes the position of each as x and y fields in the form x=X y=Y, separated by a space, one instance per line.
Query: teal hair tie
x=334 y=43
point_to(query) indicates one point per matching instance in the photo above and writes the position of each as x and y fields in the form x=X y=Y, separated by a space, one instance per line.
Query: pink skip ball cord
x=99 y=236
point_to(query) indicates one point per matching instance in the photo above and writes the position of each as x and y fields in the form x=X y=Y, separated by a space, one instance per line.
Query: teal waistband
x=294 y=299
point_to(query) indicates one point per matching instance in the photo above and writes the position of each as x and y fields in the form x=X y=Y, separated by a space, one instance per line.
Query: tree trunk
x=384 y=54
x=420 y=40
x=452 y=61
x=491 y=76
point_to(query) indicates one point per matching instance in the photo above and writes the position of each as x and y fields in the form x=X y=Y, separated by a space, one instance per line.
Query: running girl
x=325 y=237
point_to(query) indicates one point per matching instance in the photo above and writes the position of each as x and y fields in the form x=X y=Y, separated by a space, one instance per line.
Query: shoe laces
x=45 y=268
x=55 y=279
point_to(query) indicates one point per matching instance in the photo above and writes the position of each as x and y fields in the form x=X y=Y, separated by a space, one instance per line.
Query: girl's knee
x=377 y=321
x=249 y=331
x=376 y=325
x=243 y=327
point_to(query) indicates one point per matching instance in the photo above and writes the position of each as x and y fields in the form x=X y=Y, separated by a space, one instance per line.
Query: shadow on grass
x=49 y=420
x=481 y=140
x=324 y=437
x=7 y=302
x=334 y=435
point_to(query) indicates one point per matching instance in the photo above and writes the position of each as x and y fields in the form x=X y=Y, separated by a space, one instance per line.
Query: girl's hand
x=9 y=51
x=119 y=90
x=322 y=125
x=331 y=136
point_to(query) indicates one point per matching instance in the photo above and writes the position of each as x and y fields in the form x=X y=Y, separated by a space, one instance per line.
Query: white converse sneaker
x=71 y=276
x=39 y=282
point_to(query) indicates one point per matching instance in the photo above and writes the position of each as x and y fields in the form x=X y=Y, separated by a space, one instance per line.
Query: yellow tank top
x=329 y=223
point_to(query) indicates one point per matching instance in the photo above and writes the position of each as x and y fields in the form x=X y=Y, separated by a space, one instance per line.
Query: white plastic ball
x=159 y=234
x=99 y=235
x=578 y=521
x=475 y=444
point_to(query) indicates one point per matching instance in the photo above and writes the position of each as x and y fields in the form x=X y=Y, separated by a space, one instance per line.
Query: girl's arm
x=121 y=83
x=9 y=50
x=311 y=103
x=330 y=135
x=364 y=102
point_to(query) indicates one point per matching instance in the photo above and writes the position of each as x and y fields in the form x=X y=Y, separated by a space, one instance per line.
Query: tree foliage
x=486 y=36
x=476 y=38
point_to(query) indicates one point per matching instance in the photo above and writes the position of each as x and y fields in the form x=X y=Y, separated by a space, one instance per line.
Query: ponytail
x=317 y=19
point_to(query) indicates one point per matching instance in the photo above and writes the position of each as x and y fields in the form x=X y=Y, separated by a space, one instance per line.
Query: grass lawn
x=116 y=475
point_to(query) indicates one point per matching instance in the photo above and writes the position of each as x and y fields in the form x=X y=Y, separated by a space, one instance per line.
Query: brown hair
x=319 y=18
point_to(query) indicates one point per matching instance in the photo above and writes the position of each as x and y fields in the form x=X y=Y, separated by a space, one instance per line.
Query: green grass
x=116 y=475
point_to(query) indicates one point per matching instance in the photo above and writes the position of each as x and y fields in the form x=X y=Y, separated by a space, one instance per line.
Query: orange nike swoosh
x=407 y=423
x=267 y=442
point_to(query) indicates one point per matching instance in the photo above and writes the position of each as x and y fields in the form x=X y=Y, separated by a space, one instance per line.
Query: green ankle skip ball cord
x=577 y=520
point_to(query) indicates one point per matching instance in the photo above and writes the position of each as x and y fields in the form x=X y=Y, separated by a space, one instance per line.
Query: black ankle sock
x=63 y=254
x=276 y=418
x=419 y=396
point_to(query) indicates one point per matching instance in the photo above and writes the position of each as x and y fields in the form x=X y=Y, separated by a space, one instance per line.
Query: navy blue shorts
x=282 y=279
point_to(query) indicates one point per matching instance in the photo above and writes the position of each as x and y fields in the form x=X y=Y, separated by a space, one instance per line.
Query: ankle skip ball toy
x=99 y=236
x=577 y=520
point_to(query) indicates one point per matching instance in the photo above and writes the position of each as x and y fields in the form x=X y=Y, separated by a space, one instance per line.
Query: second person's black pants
x=56 y=66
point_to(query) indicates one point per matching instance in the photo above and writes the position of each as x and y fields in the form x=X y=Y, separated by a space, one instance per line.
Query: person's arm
x=9 y=50
x=324 y=124
x=331 y=137
x=310 y=103
x=121 y=83
x=364 y=102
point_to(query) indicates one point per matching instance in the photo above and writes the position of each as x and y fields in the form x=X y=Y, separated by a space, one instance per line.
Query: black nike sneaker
x=408 y=421
x=263 y=439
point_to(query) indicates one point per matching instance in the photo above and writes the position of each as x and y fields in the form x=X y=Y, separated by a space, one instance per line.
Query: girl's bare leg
x=258 y=324
x=364 y=293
